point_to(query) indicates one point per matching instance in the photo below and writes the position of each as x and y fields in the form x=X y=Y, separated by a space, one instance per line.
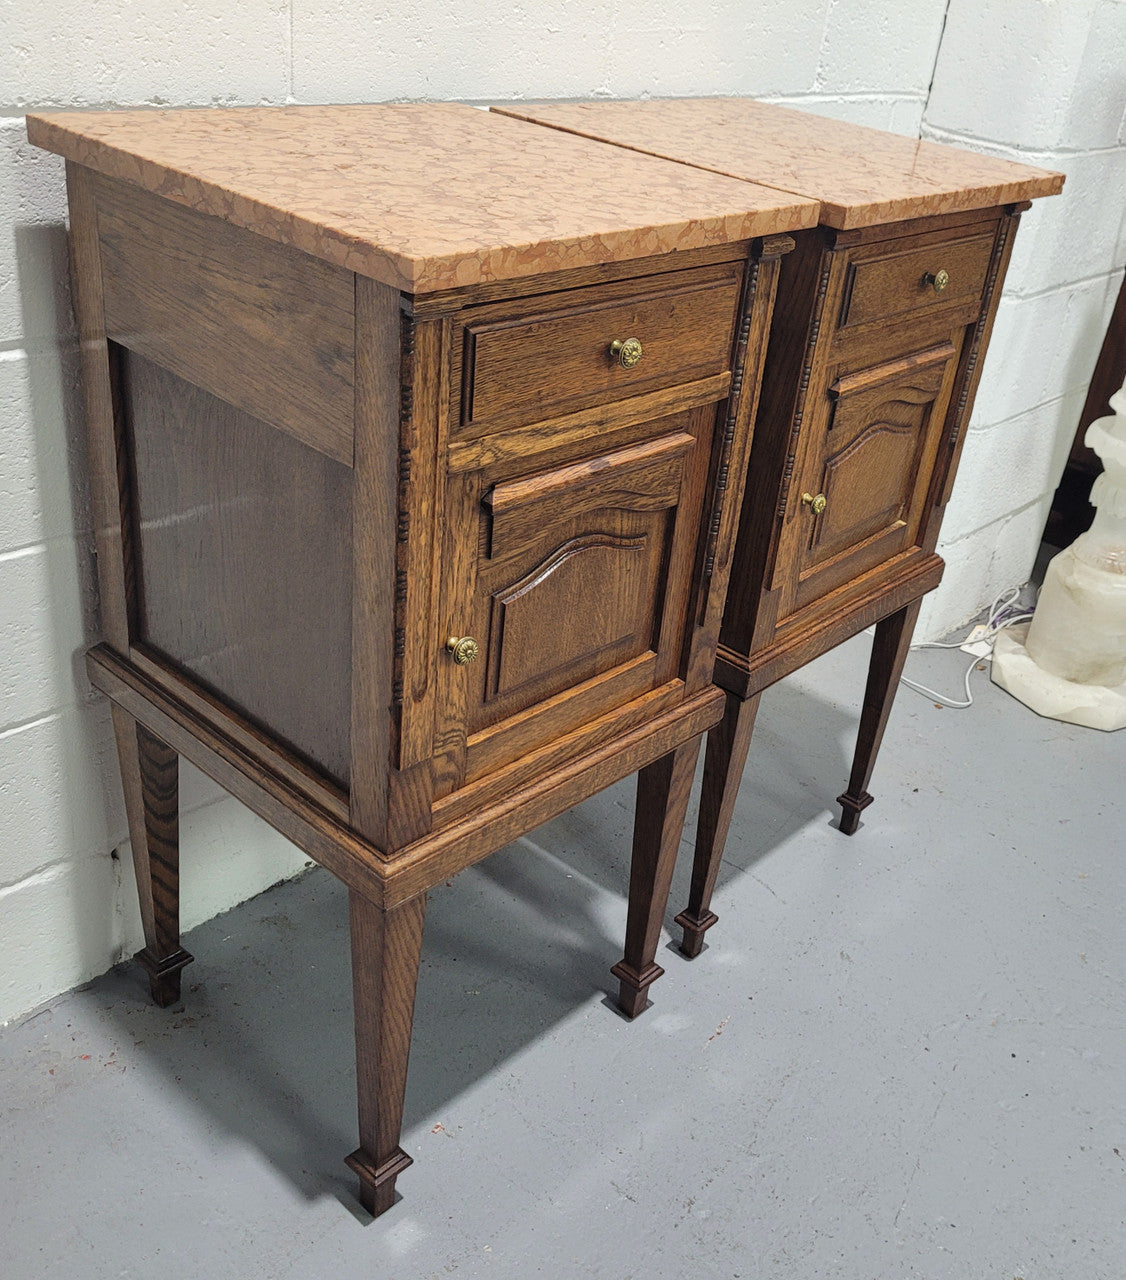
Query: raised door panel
x=866 y=475
x=539 y=642
x=575 y=587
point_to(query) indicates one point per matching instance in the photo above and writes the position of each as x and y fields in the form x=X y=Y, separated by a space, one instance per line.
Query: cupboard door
x=864 y=481
x=572 y=579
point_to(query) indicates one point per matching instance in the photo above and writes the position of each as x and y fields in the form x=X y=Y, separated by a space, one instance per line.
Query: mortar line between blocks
x=1063 y=288
x=1045 y=154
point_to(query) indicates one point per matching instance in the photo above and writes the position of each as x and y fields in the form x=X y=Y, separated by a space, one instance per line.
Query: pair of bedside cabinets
x=425 y=441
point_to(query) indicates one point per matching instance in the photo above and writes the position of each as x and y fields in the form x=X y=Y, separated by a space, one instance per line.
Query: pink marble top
x=422 y=197
x=861 y=176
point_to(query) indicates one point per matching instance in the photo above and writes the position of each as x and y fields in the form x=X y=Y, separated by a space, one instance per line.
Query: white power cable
x=996 y=622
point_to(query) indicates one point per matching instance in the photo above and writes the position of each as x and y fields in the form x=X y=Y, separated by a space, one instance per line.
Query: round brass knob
x=816 y=505
x=464 y=649
x=627 y=352
x=938 y=280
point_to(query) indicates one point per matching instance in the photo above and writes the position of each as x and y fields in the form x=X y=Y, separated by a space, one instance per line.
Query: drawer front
x=885 y=281
x=527 y=368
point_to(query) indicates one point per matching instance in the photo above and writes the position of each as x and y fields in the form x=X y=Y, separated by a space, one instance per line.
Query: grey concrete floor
x=902 y=1055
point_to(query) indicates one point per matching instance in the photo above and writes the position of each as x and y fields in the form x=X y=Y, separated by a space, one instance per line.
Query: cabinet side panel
x=264 y=327
x=245 y=542
x=969 y=373
x=785 y=379
x=109 y=488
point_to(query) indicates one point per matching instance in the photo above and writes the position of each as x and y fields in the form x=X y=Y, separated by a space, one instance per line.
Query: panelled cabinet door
x=859 y=496
x=572 y=580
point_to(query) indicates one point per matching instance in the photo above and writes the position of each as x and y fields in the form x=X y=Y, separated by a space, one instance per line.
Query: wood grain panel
x=378 y=478
x=612 y=576
x=250 y=737
x=108 y=455
x=885 y=284
x=610 y=424
x=569 y=607
x=641 y=477
x=521 y=366
x=578 y=590
x=872 y=462
x=829 y=621
x=970 y=368
x=484 y=828
x=262 y=326
x=481 y=828
x=244 y=547
x=869 y=469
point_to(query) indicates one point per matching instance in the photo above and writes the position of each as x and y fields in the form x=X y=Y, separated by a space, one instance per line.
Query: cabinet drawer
x=557 y=360
x=890 y=280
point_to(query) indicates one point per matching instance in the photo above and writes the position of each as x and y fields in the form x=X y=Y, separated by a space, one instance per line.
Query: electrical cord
x=999 y=617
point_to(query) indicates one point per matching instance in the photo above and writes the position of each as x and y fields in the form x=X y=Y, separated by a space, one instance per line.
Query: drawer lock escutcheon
x=627 y=351
x=463 y=649
x=815 y=504
x=938 y=280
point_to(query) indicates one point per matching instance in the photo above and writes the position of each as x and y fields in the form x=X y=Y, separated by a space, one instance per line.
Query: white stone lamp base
x=1093 y=705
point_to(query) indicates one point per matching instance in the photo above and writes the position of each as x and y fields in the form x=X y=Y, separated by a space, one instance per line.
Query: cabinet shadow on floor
x=261 y=1045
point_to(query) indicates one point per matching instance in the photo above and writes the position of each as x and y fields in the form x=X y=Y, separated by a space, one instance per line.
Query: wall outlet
x=975 y=645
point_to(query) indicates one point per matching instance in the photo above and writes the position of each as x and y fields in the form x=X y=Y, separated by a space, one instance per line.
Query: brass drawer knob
x=464 y=649
x=627 y=352
x=816 y=505
x=938 y=280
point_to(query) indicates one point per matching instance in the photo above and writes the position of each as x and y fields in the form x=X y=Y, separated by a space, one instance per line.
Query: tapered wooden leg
x=150 y=780
x=728 y=744
x=662 y=799
x=386 y=946
x=889 y=653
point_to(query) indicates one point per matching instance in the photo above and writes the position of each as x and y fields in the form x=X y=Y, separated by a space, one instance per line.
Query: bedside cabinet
x=885 y=311
x=417 y=439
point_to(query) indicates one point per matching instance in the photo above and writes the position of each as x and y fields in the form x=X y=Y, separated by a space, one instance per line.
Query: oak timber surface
x=359 y=187
x=244 y=544
x=861 y=176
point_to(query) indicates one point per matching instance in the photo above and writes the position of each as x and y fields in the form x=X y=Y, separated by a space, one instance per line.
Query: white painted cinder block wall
x=1035 y=79
x=1041 y=81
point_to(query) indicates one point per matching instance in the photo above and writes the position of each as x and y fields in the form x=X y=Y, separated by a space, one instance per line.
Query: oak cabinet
x=556 y=493
x=414 y=502
x=862 y=413
x=876 y=348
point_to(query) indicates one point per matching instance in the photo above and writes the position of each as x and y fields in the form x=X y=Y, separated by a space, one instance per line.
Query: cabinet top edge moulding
x=862 y=177
x=422 y=197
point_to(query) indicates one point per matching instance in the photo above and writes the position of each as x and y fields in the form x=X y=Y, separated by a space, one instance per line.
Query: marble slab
x=862 y=177
x=422 y=197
